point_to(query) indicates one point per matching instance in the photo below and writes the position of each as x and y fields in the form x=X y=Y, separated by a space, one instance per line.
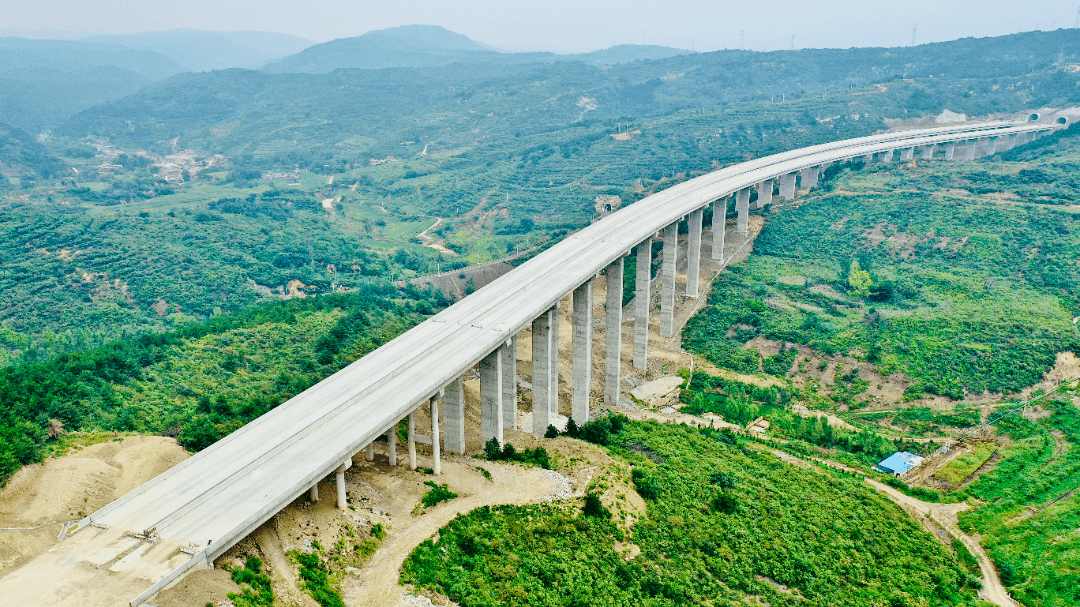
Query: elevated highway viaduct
x=191 y=514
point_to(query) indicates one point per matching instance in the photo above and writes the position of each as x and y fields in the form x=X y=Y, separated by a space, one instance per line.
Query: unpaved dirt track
x=945 y=515
x=377 y=583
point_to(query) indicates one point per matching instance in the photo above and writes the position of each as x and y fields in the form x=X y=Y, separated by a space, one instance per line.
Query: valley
x=183 y=250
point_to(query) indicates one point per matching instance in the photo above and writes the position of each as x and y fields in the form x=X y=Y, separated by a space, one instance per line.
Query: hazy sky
x=569 y=25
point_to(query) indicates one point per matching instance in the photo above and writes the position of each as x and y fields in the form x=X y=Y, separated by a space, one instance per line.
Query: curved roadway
x=215 y=498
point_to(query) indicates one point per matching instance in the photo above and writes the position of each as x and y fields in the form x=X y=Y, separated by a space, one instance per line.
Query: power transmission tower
x=914 y=29
x=793 y=35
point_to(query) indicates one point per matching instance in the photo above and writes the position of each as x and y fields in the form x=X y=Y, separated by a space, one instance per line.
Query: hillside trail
x=945 y=515
x=377 y=583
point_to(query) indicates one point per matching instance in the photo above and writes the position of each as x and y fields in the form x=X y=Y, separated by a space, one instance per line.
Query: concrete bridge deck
x=193 y=513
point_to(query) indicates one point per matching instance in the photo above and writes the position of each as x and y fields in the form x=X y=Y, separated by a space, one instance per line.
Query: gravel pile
x=562 y=491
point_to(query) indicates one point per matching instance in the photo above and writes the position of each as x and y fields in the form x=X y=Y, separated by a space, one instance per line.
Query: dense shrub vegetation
x=204 y=380
x=966 y=292
x=724 y=523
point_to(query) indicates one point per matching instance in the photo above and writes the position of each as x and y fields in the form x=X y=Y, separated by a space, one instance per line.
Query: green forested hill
x=318 y=110
x=43 y=82
x=725 y=526
x=204 y=380
x=23 y=158
x=962 y=276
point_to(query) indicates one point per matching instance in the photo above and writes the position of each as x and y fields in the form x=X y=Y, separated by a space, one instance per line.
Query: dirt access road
x=945 y=516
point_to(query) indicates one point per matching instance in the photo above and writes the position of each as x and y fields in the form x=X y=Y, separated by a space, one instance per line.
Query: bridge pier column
x=992 y=145
x=928 y=152
x=491 y=397
x=719 y=226
x=339 y=480
x=642 y=297
x=369 y=455
x=1021 y=139
x=541 y=370
x=693 y=254
x=436 y=457
x=907 y=154
x=1010 y=142
x=742 y=208
x=969 y=151
x=815 y=172
x=583 y=350
x=613 y=332
x=553 y=374
x=787 y=186
x=454 y=403
x=804 y=179
x=509 y=383
x=314 y=495
x=391 y=445
x=868 y=159
x=950 y=150
x=764 y=193
x=667 y=301
x=887 y=156
x=411 y=424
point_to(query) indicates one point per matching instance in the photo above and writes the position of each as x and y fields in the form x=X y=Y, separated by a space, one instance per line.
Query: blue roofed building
x=899 y=463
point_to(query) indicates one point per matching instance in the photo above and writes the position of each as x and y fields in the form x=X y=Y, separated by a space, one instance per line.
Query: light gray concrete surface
x=541 y=366
x=613 y=331
x=667 y=280
x=491 y=390
x=215 y=498
x=742 y=211
x=454 y=416
x=693 y=253
x=583 y=352
x=509 y=382
x=642 y=302
x=719 y=226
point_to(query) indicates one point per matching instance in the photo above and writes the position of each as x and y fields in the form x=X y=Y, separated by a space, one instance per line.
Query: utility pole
x=793 y=35
x=742 y=40
x=1077 y=25
x=914 y=29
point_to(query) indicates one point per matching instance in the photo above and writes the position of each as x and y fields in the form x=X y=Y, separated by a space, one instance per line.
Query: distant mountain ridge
x=412 y=46
x=204 y=51
x=44 y=81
